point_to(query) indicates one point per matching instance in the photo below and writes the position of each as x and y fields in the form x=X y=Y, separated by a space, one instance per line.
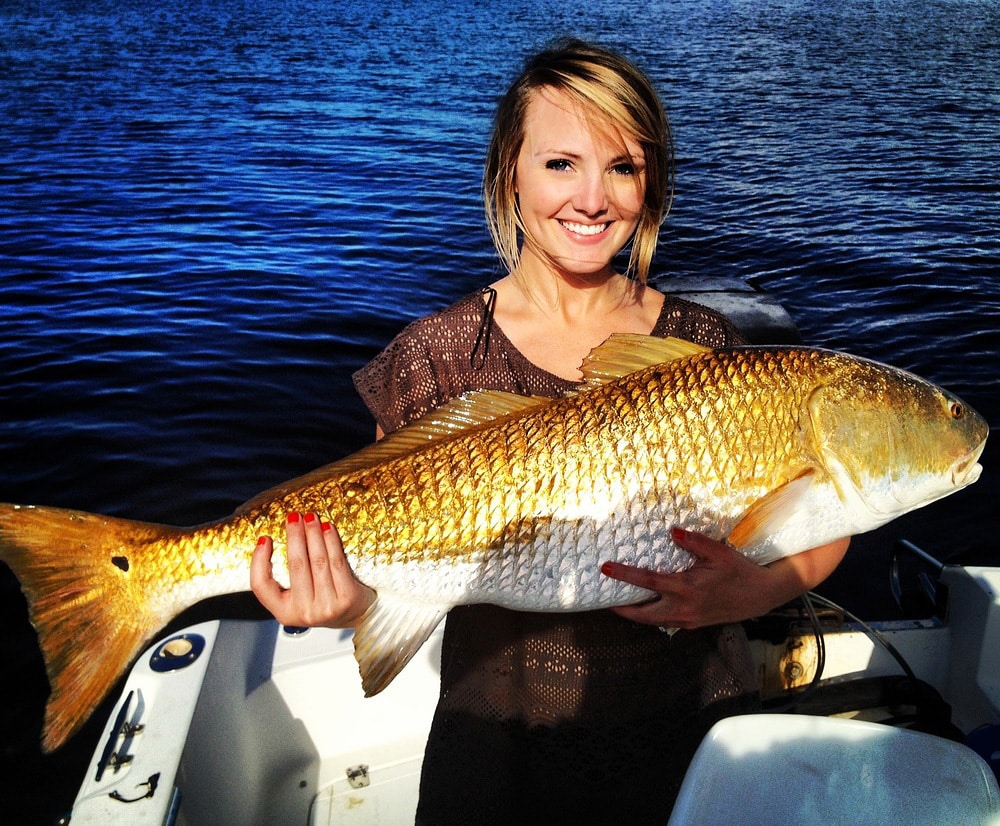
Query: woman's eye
x=559 y=165
x=623 y=169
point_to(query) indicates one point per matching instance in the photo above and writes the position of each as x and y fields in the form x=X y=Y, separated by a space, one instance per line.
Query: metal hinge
x=358 y=777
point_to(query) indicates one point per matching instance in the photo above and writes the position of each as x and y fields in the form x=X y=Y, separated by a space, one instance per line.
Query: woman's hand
x=324 y=590
x=723 y=585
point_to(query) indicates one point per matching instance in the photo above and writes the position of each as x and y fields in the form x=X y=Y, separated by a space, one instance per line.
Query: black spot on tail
x=120 y=562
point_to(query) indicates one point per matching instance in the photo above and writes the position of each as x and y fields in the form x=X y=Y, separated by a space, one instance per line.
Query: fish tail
x=90 y=614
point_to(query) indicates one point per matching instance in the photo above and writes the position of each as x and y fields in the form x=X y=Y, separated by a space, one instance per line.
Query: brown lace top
x=556 y=718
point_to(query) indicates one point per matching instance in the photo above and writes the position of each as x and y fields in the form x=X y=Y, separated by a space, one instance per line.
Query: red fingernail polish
x=326 y=526
x=262 y=540
x=310 y=518
x=606 y=568
x=293 y=518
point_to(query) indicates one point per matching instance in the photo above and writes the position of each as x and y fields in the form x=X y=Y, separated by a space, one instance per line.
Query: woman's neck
x=573 y=295
x=556 y=322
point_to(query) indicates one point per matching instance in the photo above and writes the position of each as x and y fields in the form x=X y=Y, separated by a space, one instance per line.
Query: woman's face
x=580 y=191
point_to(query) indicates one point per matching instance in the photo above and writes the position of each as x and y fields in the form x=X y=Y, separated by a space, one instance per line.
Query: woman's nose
x=591 y=197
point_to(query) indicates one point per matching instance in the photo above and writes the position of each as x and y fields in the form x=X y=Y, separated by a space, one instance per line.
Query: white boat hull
x=271 y=727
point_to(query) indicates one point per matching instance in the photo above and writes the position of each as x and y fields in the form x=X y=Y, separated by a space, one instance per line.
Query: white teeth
x=585 y=229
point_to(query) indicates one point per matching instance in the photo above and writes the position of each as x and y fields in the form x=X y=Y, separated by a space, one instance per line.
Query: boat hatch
x=177 y=652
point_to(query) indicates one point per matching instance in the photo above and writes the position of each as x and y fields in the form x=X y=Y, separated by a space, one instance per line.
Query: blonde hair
x=618 y=97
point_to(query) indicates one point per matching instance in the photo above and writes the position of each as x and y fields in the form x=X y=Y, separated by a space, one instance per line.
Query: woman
x=587 y=717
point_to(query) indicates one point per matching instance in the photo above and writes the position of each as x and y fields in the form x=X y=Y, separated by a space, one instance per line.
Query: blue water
x=212 y=213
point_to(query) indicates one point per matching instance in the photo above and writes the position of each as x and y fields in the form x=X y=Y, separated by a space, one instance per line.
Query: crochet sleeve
x=694 y=322
x=426 y=365
x=400 y=384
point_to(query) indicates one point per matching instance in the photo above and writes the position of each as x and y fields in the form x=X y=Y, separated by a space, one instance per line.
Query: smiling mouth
x=585 y=229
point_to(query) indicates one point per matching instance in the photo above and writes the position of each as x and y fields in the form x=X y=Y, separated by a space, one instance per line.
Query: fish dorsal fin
x=769 y=513
x=624 y=353
x=451 y=419
x=471 y=409
x=389 y=634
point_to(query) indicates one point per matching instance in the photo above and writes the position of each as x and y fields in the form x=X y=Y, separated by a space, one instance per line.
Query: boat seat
x=795 y=769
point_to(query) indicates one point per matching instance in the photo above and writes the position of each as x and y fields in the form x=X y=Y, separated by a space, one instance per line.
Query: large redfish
x=517 y=501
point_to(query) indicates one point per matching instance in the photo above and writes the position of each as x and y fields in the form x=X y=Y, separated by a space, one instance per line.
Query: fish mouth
x=967 y=469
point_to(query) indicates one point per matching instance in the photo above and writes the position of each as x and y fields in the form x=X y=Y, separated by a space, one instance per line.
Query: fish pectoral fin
x=389 y=634
x=765 y=516
x=625 y=353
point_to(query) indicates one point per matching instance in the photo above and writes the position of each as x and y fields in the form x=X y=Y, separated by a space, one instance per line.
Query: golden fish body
x=517 y=501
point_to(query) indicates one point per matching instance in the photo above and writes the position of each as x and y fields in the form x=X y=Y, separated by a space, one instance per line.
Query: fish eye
x=957 y=410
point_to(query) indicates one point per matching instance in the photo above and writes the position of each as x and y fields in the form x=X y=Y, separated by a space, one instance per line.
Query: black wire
x=820 y=641
x=820 y=658
x=875 y=635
